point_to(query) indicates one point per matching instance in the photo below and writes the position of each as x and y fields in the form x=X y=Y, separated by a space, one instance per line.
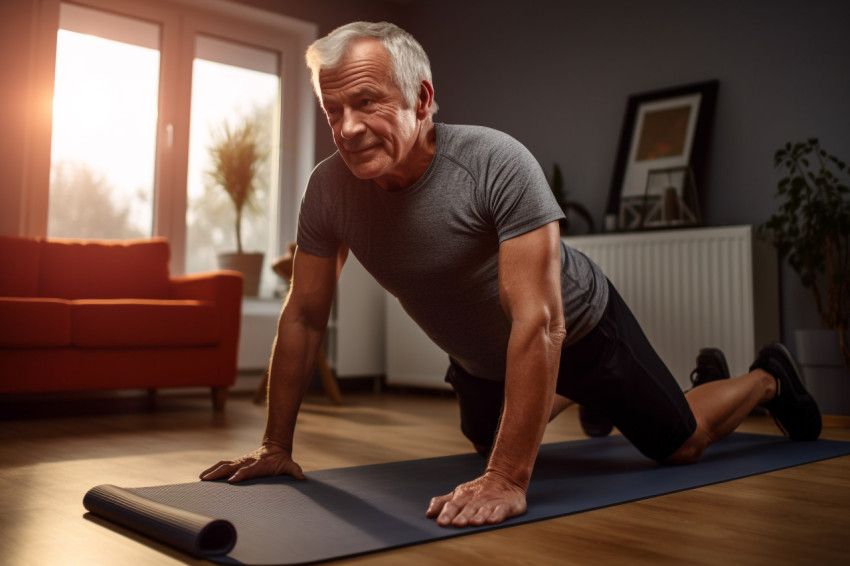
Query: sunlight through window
x=233 y=87
x=142 y=92
x=104 y=126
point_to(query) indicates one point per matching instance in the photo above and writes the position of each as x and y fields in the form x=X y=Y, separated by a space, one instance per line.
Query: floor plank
x=53 y=451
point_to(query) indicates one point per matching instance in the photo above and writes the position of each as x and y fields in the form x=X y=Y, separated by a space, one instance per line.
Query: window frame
x=180 y=21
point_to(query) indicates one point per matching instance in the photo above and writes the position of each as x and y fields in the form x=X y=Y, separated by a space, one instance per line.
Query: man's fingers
x=494 y=516
x=475 y=515
x=268 y=460
x=246 y=472
x=470 y=514
x=263 y=468
x=455 y=508
x=218 y=471
x=482 y=501
x=452 y=514
x=436 y=506
x=481 y=516
x=295 y=471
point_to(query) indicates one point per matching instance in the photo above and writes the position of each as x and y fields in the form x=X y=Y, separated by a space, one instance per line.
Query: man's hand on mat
x=489 y=499
x=268 y=460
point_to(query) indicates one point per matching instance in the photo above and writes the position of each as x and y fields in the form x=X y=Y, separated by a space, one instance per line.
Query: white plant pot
x=820 y=360
x=250 y=265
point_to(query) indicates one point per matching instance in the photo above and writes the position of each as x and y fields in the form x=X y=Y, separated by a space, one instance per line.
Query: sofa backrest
x=87 y=269
x=19 y=260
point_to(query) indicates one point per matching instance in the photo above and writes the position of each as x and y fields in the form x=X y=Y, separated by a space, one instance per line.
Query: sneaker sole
x=801 y=394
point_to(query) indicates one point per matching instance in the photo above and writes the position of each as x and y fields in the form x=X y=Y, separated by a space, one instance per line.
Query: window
x=235 y=88
x=140 y=88
x=104 y=126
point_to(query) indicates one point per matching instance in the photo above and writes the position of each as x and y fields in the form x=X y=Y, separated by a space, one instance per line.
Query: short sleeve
x=517 y=193
x=316 y=219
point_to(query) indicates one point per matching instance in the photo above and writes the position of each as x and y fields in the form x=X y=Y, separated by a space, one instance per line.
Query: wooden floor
x=52 y=452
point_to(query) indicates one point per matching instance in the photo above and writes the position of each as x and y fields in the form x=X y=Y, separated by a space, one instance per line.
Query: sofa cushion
x=97 y=323
x=19 y=258
x=102 y=269
x=34 y=323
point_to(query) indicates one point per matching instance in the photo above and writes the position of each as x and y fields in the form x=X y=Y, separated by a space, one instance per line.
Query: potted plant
x=236 y=155
x=556 y=183
x=811 y=229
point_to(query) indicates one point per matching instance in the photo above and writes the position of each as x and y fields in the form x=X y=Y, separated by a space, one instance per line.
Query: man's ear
x=425 y=101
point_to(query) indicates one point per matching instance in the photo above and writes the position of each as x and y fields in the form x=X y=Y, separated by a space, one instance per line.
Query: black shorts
x=614 y=370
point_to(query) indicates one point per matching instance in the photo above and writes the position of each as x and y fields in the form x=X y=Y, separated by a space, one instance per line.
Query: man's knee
x=690 y=451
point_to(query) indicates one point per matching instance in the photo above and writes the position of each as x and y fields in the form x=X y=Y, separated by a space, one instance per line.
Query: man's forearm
x=532 y=369
x=293 y=360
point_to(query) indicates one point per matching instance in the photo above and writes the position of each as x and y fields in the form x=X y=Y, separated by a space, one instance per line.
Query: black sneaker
x=793 y=408
x=711 y=366
x=594 y=423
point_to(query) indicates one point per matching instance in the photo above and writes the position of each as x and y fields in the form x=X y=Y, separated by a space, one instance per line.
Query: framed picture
x=662 y=130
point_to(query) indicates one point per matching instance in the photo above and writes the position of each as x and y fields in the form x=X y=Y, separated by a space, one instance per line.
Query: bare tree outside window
x=82 y=205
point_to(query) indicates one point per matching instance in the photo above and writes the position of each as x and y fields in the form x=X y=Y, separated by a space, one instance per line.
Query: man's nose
x=352 y=125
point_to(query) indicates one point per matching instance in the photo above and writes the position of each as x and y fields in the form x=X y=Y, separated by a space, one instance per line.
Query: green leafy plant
x=237 y=156
x=811 y=229
x=556 y=183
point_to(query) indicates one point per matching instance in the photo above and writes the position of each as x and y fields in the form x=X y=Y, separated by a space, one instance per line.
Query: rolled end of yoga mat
x=190 y=532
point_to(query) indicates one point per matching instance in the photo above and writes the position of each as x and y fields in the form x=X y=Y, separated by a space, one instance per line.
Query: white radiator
x=694 y=288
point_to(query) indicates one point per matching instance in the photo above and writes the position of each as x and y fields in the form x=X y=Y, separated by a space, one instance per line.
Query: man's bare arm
x=301 y=328
x=530 y=291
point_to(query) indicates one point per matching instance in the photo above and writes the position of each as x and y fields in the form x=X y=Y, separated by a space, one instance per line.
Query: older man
x=459 y=224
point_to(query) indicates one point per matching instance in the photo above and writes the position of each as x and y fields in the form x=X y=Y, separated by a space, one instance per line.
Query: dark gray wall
x=556 y=75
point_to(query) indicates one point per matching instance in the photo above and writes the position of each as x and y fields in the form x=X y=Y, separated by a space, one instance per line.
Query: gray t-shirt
x=435 y=245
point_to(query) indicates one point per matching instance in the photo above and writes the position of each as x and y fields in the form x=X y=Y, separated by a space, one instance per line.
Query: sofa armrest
x=224 y=288
x=207 y=286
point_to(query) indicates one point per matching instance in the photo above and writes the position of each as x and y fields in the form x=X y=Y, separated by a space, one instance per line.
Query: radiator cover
x=694 y=288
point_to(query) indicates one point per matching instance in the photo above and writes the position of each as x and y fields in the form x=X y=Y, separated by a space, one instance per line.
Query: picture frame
x=662 y=129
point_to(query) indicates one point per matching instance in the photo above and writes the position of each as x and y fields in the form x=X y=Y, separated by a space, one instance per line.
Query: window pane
x=233 y=87
x=104 y=126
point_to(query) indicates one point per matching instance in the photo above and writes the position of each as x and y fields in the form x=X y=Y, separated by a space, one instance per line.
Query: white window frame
x=181 y=21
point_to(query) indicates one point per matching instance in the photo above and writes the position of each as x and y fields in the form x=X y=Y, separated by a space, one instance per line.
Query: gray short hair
x=409 y=61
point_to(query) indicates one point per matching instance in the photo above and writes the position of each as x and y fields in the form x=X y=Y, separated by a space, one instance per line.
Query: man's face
x=372 y=126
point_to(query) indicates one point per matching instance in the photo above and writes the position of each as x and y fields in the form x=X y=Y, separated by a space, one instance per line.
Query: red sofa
x=89 y=314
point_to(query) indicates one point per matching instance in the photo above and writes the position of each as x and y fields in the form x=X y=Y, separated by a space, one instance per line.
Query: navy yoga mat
x=348 y=511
